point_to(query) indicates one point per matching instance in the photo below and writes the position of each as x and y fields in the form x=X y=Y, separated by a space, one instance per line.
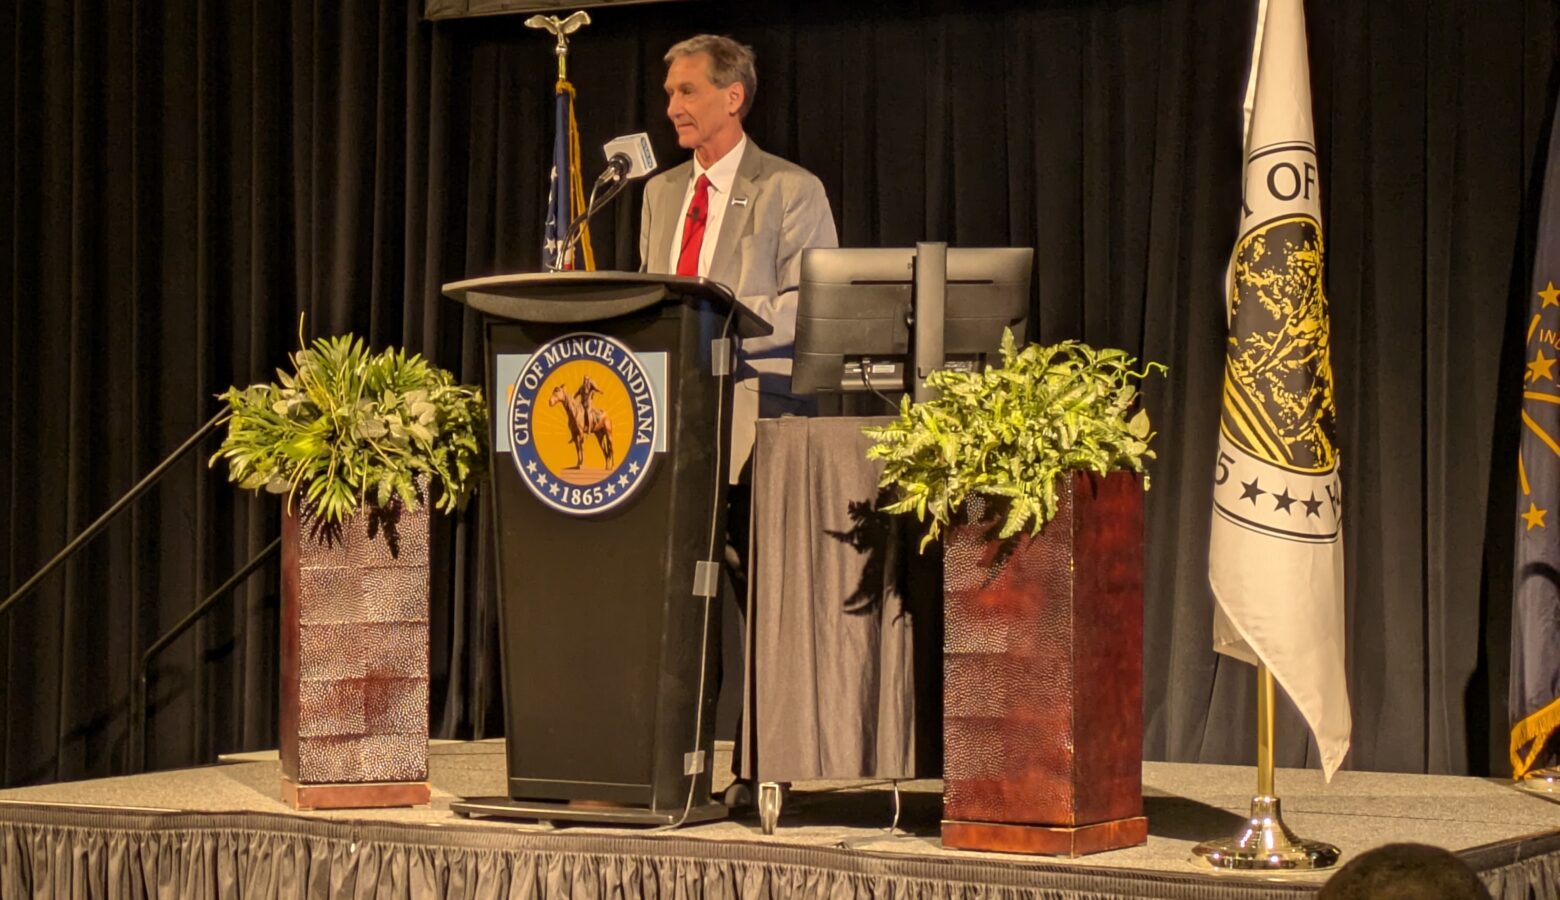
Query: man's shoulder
x=757 y=164
x=770 y=164
x=780 y=177
x=660 y=179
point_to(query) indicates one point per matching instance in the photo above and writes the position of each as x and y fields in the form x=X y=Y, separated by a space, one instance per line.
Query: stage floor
x=837 y=831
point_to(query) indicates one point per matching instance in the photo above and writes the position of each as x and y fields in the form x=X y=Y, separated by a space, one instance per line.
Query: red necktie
x=693 y=228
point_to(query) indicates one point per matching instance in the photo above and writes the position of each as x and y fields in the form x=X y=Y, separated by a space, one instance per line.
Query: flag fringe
x=1533 y=732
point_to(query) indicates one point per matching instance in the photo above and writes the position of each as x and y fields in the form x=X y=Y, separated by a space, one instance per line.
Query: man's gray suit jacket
x=777 y=210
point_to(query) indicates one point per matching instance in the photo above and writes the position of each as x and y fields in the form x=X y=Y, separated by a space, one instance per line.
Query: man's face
x=701 y=112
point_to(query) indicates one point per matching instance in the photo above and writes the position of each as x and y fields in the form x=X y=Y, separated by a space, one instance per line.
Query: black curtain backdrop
x=180 y=180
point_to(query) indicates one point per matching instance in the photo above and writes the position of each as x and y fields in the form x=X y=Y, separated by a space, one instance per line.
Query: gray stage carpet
x=222 y=830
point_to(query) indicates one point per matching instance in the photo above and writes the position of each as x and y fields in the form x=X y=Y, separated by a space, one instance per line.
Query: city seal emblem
x=584 y=423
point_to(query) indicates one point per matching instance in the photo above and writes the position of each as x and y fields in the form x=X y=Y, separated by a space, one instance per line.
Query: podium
x=610 y=394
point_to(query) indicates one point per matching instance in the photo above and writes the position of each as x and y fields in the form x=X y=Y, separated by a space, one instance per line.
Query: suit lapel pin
x=739 y=201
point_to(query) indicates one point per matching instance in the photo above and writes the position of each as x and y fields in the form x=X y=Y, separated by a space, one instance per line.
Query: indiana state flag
x=1535 y=612
x=565 y=191
x=1275 y=559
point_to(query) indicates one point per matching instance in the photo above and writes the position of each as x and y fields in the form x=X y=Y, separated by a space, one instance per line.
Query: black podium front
x=611 y=402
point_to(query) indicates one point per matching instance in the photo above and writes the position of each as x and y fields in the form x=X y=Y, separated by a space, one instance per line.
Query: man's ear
x=736 y=93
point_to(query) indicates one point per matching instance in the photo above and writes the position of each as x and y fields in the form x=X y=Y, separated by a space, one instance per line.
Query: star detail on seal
x=1534 y=517
x=1541 y=366
x=1550 y=295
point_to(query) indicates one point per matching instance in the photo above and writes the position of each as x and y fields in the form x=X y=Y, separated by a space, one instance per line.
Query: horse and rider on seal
x=585 y=420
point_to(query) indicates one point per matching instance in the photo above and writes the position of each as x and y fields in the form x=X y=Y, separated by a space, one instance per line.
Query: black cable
x=704 y=645
x=892 y=830
x=866 y=364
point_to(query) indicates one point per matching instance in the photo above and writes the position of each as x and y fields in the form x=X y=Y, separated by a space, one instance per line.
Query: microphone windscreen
x=636 y=148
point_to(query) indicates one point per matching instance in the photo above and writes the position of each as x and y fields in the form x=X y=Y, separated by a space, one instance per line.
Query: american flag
x=565 y=191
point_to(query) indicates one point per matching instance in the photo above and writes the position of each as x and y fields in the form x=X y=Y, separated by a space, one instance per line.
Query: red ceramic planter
x=354 y=705
x=1043 y=675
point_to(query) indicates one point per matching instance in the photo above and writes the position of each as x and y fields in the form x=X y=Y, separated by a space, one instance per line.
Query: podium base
x=354 y=795
x=1047 y=840
x=542 y=810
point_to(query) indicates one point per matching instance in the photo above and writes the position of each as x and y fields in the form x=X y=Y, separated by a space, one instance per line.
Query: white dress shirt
x=721 y=176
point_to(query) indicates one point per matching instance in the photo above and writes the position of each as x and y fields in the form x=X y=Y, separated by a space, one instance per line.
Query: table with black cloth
x=843 y=674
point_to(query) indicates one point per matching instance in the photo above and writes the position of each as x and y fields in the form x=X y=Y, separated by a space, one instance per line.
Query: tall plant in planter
x=1032 y=473
x=357 y=443
x=1011 y=432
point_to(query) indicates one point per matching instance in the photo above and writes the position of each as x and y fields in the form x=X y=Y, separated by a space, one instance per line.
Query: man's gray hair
x=730 y=62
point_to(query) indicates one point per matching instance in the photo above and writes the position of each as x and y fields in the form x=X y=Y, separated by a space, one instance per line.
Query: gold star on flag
x=1541 y=367
x=1534 y=517
x=1551 y=295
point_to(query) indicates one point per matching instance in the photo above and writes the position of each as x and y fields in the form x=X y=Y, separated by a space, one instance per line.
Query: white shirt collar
x=724 y=171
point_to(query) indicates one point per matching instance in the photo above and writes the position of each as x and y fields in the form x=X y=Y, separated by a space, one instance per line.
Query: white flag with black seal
x=1275 y=560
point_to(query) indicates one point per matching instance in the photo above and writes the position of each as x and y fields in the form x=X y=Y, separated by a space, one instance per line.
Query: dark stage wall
x=179 y=180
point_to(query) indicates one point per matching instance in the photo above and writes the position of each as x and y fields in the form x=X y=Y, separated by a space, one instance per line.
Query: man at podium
x=742 y=217
x=736 y=215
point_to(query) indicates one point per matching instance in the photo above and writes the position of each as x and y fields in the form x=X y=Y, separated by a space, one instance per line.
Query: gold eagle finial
x=560 y=29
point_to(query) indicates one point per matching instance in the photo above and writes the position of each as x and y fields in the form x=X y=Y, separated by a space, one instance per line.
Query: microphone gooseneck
x=628 y=157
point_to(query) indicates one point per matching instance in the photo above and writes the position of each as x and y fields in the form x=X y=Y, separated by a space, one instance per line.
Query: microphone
x=628 y=157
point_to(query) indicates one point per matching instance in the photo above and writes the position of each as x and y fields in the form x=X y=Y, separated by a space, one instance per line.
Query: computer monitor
x=871 y=319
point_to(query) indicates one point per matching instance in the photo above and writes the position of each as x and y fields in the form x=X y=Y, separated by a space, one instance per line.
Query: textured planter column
x=354 y=706
x=1043 y=676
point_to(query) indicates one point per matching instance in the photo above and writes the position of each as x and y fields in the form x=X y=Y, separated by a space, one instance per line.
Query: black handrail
x=138 y=701
x=138 y=698
x=118 y=507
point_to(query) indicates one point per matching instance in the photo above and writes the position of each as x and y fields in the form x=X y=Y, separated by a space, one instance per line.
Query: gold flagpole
x=561 y=29
x=1264 y=841
x=1264 y=731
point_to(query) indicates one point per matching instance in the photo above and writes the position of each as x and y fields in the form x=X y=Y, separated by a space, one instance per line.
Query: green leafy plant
x=348 y=427
x=1011 y=431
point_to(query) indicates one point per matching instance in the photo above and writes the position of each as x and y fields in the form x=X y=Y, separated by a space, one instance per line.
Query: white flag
x=1275 y=560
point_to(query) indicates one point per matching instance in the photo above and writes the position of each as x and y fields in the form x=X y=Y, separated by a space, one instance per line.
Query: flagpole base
x=1265 y=842
x=1541 y=781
